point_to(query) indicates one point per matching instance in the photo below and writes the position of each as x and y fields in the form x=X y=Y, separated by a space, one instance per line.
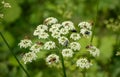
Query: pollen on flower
x=83 y=63
x=43 y=35
x=29 y=57
x=25 y=43
x=52 y=59
x=49 y=45
x=64 y=31
x=67 y=52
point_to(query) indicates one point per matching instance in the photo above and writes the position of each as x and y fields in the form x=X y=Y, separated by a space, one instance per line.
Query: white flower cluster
x=25 y=43
x=85 y=29
x=93 y=50
x=83 y=63
x=62 y=36
x=6 y=5
x=29 y=57
x=41 y=32
x=52 y=58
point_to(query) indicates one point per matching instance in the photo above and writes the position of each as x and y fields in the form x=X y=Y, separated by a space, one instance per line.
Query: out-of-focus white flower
x=75 y=46
x=52 y=59
x=56 y=26
x=86 y=33
x=6 y=5
x=64 y=31
x=83 y=63
x=50 y=21
x=68 y=25
x=67 y=52
x=36 y=48
x=86 y=25
x=1 y=15
x=43 y=35
x=75 y=36
x=49 y=45
x=62 y=40
x=93 y=50
x=42 y=27
x=29 y=57
x=55 y=34
x=25 y=43
x=53 y=29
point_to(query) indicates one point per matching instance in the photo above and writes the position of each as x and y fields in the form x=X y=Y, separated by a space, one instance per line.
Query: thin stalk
x=63 y=66
x=62 y=61
x=93 y=30
x=14 y=54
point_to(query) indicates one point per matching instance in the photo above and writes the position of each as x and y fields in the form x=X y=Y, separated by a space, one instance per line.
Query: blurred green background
x=25 y=15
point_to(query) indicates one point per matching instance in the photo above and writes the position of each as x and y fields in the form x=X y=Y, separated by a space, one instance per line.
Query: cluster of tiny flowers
x=6 y=5
x=85 y=29
x=83 y=63
x=52 y=58
x=93 y=50
x=29 y=57
x=62 y=36
x=25 y=43
x=67 y=52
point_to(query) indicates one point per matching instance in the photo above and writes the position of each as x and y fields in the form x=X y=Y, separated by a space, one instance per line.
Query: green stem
x=14 y=54
x=93 y=30
x=63 y=66
x=84 y=73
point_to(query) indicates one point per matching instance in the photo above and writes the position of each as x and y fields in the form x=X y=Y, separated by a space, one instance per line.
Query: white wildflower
x=52 y=59
x=67 y=52
x=64 y=31
x=83 y=63
x=53 y=29
x=68 y=25
x=6 y=5
x=75 y=36
x=86 y=33
x=43 y=35
x=55 y=34
x=50 y=21
x=29 y=57
x=93 y=51
x=49 y=45
x=42 y=27
x=75 y=46
x=62 y=40
x=37 y=32
x=36 y=48
x=25 y=43
x=56 y=26
x=86 y=25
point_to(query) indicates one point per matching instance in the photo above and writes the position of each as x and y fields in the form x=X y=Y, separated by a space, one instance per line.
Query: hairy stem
x=14 y=54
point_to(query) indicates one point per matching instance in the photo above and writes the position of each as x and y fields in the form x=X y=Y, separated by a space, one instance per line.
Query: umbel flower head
x=52 y=58
x=59 y=39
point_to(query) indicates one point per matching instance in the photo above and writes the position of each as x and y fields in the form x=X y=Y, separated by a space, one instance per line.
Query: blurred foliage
x=25 y=15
